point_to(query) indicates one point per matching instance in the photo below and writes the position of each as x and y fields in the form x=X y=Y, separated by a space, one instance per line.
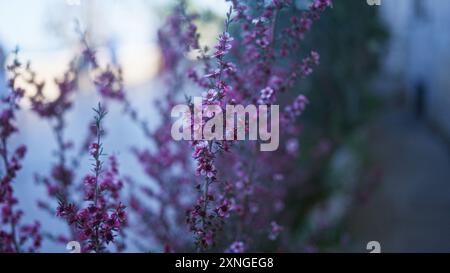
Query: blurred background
x=380 y=110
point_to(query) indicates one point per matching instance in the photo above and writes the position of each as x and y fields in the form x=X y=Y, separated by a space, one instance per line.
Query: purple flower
x=224 y=45
x=236 y=247
x=224 y=209
x=292 y=146
x=94 y=149
x=295 y=109
x=267 y=96
x=14 y=235
x=109 y=83
x=260 y=65
x=320 y=5
x=275 y=230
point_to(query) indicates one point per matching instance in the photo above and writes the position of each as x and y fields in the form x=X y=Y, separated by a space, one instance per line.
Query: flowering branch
x=102 y=220
x=96 y=149
x=18 y=234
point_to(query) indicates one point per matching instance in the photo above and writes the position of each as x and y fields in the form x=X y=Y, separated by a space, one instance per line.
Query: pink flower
x=99 y=222
x=94 y=149
x=224 y=209
x=224 y=45
x=320 y=5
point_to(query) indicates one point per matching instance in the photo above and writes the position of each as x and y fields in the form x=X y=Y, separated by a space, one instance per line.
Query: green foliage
x=350 y=39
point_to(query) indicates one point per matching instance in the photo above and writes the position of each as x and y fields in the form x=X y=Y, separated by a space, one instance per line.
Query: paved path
x=410 y=210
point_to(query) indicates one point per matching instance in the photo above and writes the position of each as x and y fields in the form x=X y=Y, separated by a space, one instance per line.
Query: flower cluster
x=224 y=45
x=295 y=109
x=59 y=181
x=14 y=236
x=62 y=103
x=167 y=164
x=266 y=96
x=227 y=193
x=275 y=230
x=109 y=83
x=320 y=5
x=205 y=159
x=266 y=61
x=99 y=222
x=307 y=63
x=206 y=219
x=183 y=37
x=263 y=46
x=236 y=247
x=300 y=26
x=107 y=80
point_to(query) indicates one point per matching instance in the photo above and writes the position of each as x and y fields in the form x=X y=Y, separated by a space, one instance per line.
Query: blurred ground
x=409 y=212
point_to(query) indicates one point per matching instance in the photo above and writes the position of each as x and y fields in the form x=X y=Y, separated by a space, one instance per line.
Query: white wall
x=420 y=51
